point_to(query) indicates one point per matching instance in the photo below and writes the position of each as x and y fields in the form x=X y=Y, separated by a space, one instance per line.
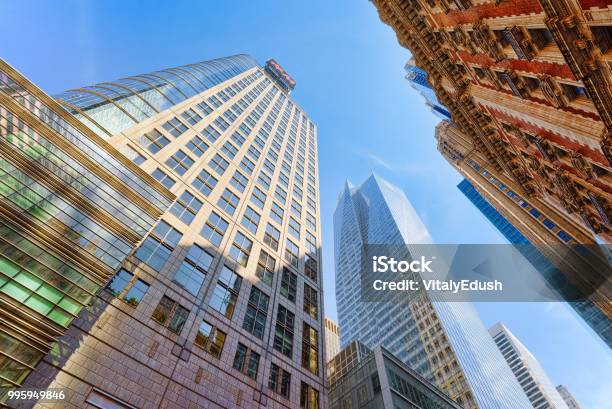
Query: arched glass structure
x=111 y=107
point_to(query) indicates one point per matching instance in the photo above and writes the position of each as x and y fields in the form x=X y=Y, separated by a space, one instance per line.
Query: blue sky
x=349 y=72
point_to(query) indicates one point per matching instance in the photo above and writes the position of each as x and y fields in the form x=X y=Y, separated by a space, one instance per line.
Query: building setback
x=221 y=304
x=437 y=340
x=377 y=379
x=534 y=381
x=332 y=339
x=71 y=210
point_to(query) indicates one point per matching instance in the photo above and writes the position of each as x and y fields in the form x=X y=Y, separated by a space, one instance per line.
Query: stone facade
x=529 y=82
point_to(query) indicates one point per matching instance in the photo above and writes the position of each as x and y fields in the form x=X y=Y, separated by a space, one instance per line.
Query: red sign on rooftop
x=280 y=73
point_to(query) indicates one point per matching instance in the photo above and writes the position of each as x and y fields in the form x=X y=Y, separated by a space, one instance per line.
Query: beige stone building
x=220 y=306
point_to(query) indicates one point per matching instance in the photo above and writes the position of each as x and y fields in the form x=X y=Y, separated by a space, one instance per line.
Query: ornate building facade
x=529 y=82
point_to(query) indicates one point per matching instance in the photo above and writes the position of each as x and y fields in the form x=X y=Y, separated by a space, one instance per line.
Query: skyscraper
x=569 y=399
x=417 y=78
x=332 y=339
x=528 y=371
x=539 y=229
x=221 y=304
x=444 y=342
x=71 y=210
x=530 y=84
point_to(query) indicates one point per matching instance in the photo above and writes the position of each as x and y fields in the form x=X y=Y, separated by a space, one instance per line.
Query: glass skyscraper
x=220 y=305
x=592 y=315
x=418 y=80
x=444 y=342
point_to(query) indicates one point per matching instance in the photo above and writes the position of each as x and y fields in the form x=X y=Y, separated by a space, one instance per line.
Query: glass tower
x=418 y=80
x=592 y=315
x=539 y=389
x=444 y=342
x=72 y=208
x=221 y=304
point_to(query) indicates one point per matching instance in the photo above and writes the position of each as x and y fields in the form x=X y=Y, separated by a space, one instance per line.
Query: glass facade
x=73 y=208
x=111 y=107
x=418 y=80
x=591 y=314
x=444 y=342
x=226 y=287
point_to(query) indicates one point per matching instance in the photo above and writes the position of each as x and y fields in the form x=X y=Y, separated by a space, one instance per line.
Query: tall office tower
x=418 y=80
x=220 y=306
x=569 y=399
x=592 y=315
x=71 y=210
x=538 y=223
x=534 y=381
x=332 y=339
x=530 y=84
x=444 y=342
x=363 y=378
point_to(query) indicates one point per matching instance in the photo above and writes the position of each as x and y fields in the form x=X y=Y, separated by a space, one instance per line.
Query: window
x=294 y=228
x=174 y=127
x=309 y=397
x=210 y=338
x=214 y=229
x=153 y=141
x=158 y=245
x=204 y=182
x=224 y=97
x=121 y=280
x=186 y=207
x=253 y=152
x=211 y=133
x=226 y=292
x=170 y=314
x=221 y=123
x=310 y=268
x=179 y=162
x=311 y=243
x=190 y=275
x=250 y=219
x=191 y=116
x=133 y=155
x=311 y=222
x=283 y=332
x=310 y=301
x=228 y=201
x=297 y=192
x=241 y=249
x=246 y=361
x=239 y=181
x=218 y=164
x=265 y=267
x=204 y=108
x=237 y=138
x=292 y=253
x=296 y=208
x=229 y=149
x=164 y=179
x=276 y=213
x=247 y=165
x=280 y=381
x=197 y=146
x=258 y=197
x=280 y=194
x=272 y=236
x=214 y=101
x=310 y=348
x=264 y=180
x=256 y=313
x=288 y=284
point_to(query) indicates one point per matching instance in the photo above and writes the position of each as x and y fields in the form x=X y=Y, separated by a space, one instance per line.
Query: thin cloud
x=403 y=167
